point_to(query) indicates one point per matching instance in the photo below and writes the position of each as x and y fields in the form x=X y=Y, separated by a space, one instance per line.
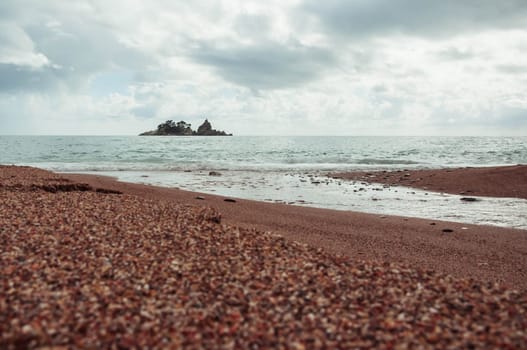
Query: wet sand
x=506 y=181
x=89 y=262
x=486 y=253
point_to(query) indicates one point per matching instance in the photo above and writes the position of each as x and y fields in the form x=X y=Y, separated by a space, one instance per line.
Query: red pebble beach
x=89 y=262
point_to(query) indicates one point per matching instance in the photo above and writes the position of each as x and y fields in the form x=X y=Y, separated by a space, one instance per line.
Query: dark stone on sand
x=469 y=199
x=214 y=173
x=230 y=200
x=200 y=198
x=447 y=230
x=107 y=191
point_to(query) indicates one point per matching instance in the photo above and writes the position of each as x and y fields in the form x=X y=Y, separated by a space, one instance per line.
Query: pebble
x=97 y=270
x=230 y=200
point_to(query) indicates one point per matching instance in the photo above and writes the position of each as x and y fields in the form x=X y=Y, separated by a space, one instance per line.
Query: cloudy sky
x=274 y=67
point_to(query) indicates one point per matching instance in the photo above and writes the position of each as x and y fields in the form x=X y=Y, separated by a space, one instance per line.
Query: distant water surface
x=109 y=153
x=286 y=169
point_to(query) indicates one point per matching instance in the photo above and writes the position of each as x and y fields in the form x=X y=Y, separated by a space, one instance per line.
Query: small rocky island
x=171 y=128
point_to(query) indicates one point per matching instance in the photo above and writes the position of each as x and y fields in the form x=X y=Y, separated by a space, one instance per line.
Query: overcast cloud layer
x=333 y=67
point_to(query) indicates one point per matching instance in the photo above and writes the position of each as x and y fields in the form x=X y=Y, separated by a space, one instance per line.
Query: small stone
x=469 y=199
x=27 y=329
x=214 y=173
x=230 y=200
x=200 y=198
x=447 y=230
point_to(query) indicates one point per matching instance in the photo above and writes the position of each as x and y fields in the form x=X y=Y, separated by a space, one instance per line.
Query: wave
x=375 y=161
x=216 y=166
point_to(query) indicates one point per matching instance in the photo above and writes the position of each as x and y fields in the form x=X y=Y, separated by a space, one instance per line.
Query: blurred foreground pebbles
x=87 y=269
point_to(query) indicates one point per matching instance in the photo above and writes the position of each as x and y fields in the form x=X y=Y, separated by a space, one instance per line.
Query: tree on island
x=171 y=128
x=182 y=128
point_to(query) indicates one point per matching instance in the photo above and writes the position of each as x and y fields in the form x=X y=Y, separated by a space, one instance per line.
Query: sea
x=290 y=170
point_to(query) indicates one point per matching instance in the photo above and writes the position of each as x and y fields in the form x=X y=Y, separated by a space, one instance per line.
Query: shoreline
x=90 y=262
x=485 y=253
x=501 y=181
x=317 y=190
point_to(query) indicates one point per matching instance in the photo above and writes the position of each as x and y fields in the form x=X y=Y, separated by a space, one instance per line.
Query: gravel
x=88 y=269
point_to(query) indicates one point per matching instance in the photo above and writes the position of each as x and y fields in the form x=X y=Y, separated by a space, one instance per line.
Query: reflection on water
x=317 y=190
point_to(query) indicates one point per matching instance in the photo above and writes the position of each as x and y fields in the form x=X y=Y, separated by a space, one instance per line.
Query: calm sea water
x=106 y=153
x=286 y=169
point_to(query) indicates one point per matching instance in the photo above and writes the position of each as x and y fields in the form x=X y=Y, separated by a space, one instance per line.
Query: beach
x=92 y=262
x=505 y=181
x=483 y=252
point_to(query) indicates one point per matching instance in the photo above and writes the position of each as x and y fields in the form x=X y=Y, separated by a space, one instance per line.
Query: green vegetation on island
x=171 y=128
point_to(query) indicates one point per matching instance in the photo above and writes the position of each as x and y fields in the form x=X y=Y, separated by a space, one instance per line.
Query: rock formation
x=170 y=128
x=206 y=129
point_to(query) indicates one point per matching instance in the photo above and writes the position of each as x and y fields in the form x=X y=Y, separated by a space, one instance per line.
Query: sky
x=274 y=67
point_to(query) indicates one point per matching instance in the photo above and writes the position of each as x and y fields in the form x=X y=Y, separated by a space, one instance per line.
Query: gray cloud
x=514 y=118
x=267 y=65
x=360 y=19
x=512 y=68
x=8 y=9
x=146 y=111
x=254 y=26
x=455 y=54
x=24 y=79
x=62 y=51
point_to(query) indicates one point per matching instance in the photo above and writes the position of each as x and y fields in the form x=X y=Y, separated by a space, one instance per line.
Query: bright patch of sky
x=113 y=82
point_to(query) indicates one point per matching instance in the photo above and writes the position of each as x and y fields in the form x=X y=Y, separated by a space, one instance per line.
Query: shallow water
x=317 y=190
